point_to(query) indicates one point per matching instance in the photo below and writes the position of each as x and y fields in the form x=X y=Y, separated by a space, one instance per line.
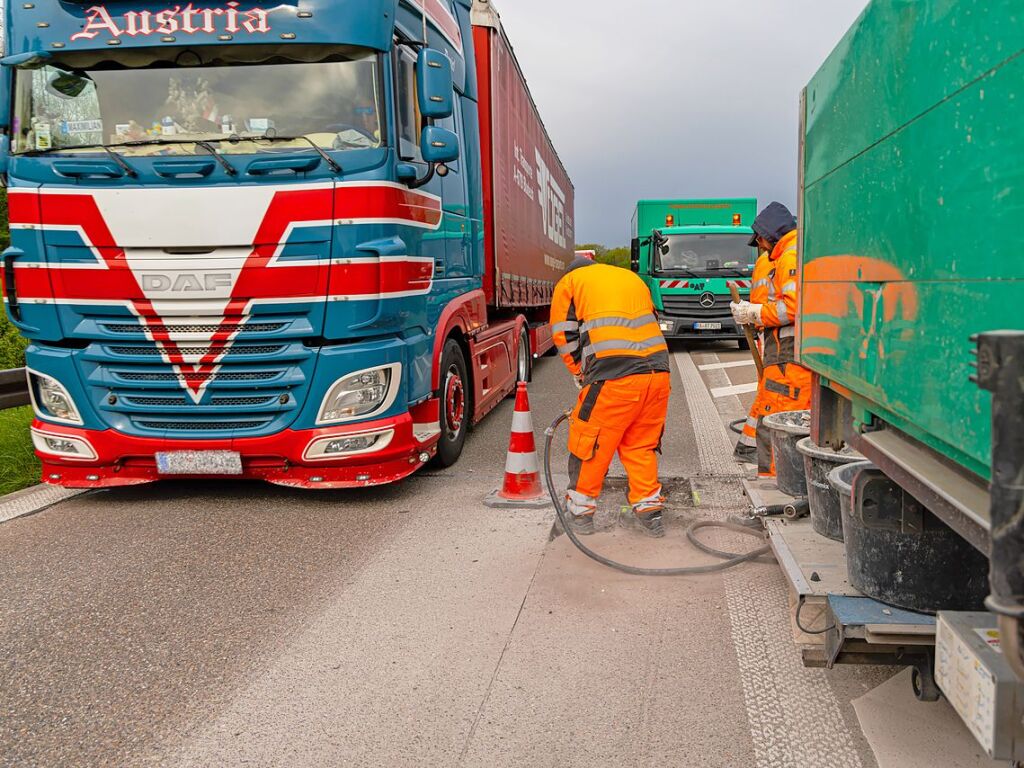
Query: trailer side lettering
x=552 y=203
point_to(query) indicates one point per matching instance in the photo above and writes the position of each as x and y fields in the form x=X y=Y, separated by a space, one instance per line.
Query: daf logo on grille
x=707 y=300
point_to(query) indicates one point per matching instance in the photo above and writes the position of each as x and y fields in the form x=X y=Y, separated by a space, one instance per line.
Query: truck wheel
x=743 y=344
x=524 y=360
x=454 y=404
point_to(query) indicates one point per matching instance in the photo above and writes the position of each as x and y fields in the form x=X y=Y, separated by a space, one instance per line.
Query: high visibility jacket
x=604 y=324
x=778 y=311
x=759 y=279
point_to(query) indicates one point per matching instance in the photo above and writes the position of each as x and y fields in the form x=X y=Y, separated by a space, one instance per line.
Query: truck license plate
x=707 y=326
x=199 y=463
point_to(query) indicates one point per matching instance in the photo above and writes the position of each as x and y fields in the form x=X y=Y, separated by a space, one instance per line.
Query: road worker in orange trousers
x=607 y=333
x=746 y=446
x=786 y=386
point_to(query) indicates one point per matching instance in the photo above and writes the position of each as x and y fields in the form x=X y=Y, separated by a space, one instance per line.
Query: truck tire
x=454 y=404
x=524 y=358
x=743 y=344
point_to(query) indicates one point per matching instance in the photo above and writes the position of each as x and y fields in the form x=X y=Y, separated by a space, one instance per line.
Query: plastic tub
x=826 y=516
x=788 y=429
x=899 y=553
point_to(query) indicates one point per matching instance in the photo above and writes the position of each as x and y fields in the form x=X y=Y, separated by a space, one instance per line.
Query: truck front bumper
x=116 y=459
x=677 y=327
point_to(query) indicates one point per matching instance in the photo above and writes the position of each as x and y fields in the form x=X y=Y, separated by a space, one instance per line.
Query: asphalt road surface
x=223 y=623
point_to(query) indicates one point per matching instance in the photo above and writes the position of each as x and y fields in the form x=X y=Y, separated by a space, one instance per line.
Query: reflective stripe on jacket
x=604 y=325
x=778 y=311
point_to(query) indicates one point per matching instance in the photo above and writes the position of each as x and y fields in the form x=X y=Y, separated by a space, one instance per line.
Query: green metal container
x=913 y=214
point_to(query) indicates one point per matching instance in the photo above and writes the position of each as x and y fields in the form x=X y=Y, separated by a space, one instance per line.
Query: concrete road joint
x=501 y=658
x=794 y=716
x=35 y=499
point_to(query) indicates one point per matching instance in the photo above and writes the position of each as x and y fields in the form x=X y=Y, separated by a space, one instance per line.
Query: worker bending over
x=786 y=386
x=606 y=331
x=746 y=446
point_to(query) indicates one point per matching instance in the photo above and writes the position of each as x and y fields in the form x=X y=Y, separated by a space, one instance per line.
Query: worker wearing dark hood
x=785 y=386
x=606 y=332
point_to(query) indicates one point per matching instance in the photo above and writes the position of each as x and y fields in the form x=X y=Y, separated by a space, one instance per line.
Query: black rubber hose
x=693 y=570
x=736 y=426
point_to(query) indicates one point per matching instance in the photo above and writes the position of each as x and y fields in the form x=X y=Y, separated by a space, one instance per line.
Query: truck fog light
x=666 y=325
x=350 y=444
x=51 y=400
x=62 y=445
x=361 y=394
x=340 y=446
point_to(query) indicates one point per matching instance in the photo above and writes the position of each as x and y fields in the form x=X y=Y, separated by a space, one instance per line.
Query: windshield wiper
x=206 y=144
x=228 y=167
x=685 y=270
x=319 y=150
x=118 y=160
x=734 y=270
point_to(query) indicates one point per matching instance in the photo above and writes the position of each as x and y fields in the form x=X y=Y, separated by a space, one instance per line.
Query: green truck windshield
x=705 y=253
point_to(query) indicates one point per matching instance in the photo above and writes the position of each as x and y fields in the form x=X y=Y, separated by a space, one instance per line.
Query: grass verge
x=19 y=467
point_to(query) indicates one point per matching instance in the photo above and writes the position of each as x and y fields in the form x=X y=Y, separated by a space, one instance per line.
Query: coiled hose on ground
x=731 y=559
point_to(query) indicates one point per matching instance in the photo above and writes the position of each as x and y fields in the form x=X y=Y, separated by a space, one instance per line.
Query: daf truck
x=310 y=243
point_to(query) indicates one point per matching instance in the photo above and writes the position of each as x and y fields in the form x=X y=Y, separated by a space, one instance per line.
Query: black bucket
x=788 y=429
x=899 y=553
x=826 y=516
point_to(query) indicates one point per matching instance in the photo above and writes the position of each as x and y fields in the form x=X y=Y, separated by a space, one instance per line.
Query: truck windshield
x=336 y=105
x=706 y=253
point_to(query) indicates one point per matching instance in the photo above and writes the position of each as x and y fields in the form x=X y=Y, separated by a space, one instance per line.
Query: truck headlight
x=51 y=400
x=361 y=394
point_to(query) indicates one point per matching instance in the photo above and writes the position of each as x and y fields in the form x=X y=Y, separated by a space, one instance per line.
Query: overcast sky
x=672 y=98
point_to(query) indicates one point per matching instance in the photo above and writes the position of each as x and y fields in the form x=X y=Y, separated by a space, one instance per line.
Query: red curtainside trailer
x=528 y=196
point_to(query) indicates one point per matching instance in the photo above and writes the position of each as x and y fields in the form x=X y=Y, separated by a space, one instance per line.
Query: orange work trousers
x=627 y=416
x=784 y=387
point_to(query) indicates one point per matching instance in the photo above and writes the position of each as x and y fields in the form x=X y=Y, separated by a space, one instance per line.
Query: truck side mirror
x=434 y=84
x=439 y=145
x=5 y=98
x=634 y=255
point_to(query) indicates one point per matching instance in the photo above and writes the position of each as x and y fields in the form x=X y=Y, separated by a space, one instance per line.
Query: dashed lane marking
x=734 y=389
x=794 y=717
x=730 y=364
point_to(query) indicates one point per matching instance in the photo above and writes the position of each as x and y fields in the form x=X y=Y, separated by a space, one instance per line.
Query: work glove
x=745 y=313
x=578 y=381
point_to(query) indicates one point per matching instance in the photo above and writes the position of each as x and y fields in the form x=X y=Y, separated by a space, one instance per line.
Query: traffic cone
x=522 y=484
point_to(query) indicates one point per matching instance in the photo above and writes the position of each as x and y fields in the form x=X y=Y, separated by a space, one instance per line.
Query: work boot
x=746 y=454
x=582 y=525
x=651 y=523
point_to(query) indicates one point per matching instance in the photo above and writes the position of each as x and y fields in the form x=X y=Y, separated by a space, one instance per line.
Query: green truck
x=912 y=207
x=688 y=252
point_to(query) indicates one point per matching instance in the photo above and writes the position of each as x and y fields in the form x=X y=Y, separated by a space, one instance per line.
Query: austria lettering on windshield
x=187 y=20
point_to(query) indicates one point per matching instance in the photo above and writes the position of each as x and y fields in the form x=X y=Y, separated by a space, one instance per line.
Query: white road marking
x=733 y=389
x=34 y=499
x=731 y=364
x=794 y=716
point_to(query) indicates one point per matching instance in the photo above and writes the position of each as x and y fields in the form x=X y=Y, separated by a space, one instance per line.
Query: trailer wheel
x=524 y=360
x=923 y=682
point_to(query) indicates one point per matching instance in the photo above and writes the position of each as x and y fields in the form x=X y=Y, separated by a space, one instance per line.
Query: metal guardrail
x=13 y=389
